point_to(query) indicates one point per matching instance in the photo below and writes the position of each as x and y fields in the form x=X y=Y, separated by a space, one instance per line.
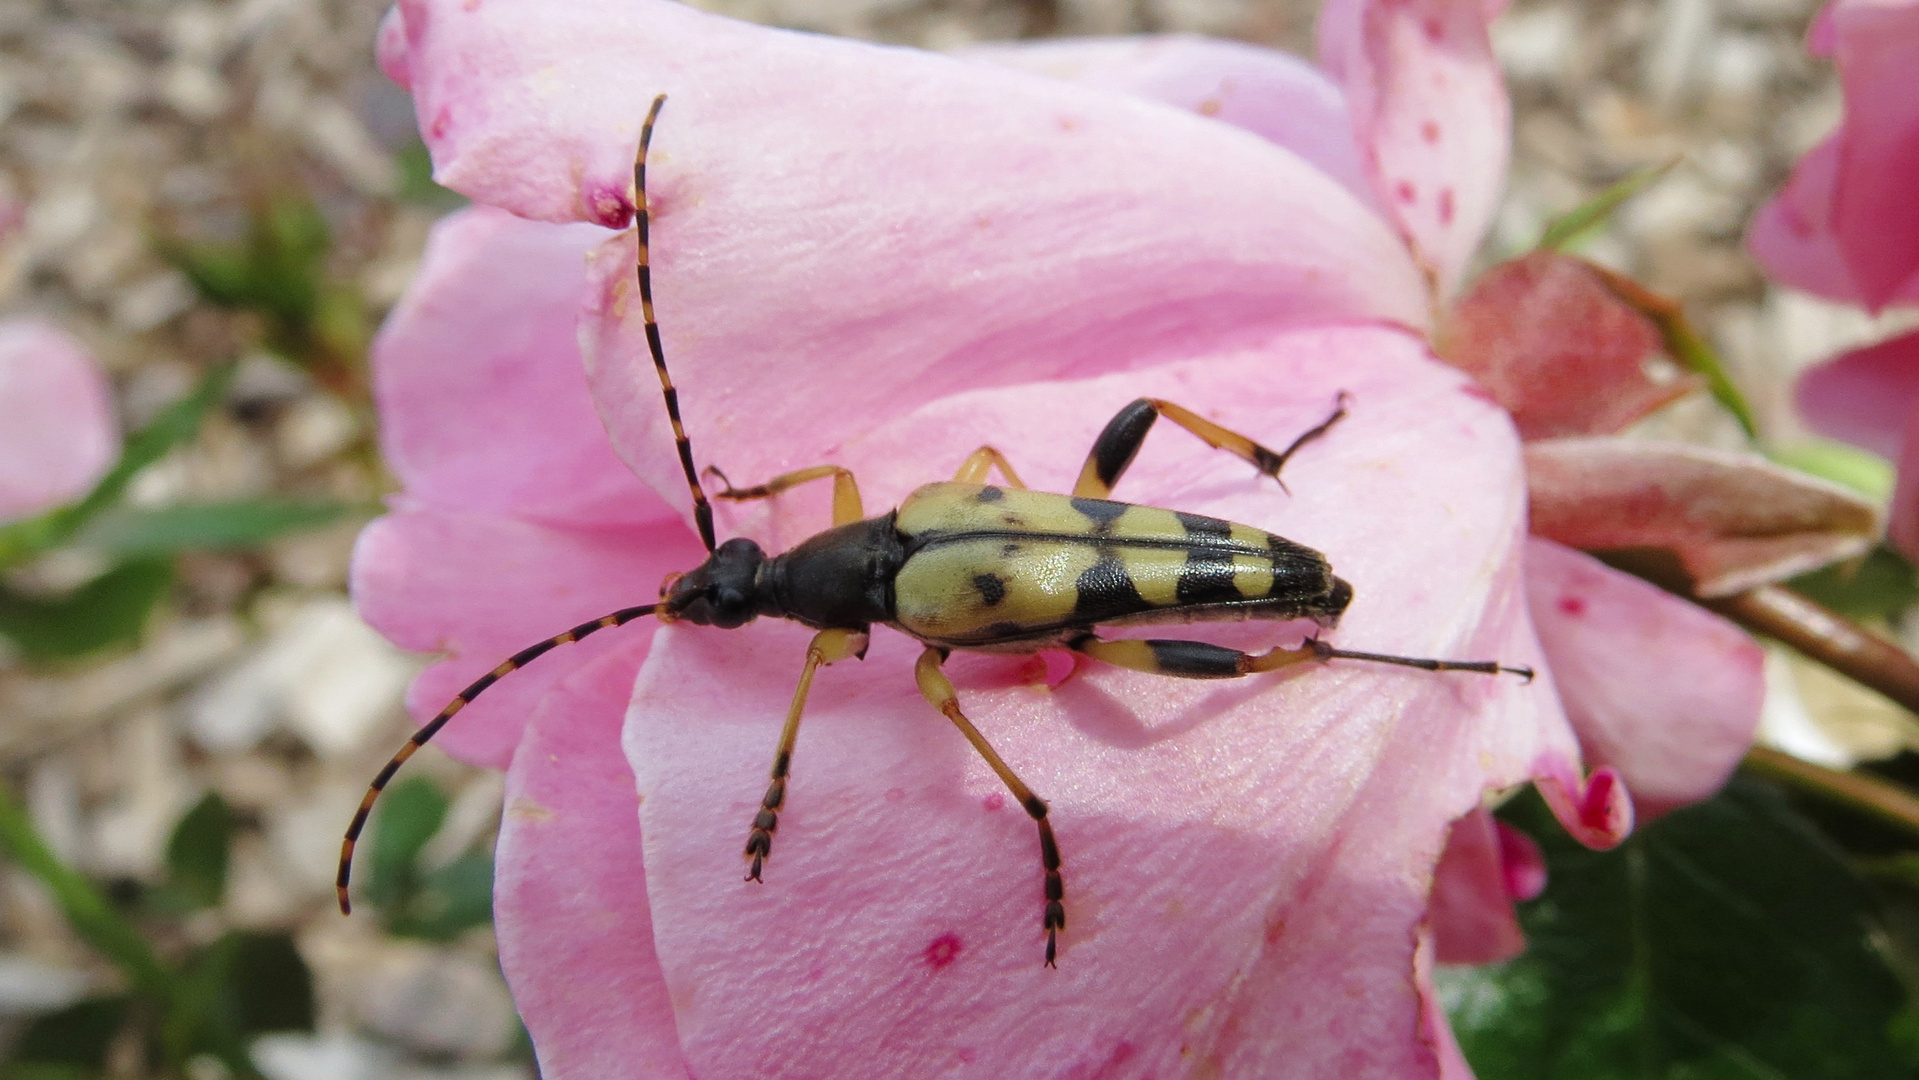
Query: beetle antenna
x=465 y=697
x=1485 y=667
x=702 y=510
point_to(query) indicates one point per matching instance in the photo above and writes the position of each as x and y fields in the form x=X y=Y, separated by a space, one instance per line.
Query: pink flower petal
x=1524 y=865
x=1272 y=94
x=1431 y=118
x=1471 y=913
x=1246 y=862
x=480 y=588
x=478 y=378
x=576 y=938
x=1734 y=520
x=1660 y=689
x=58 y=432
x=1435 y=1028
x=1595 y=810
x=1792 y=237
x=1903 y=527
x=1875 y=216
x=1553 y=345
x=1865 y=396
x=389 y=47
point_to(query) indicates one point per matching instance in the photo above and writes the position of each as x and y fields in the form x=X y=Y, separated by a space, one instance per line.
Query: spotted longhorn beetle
x=983 y=567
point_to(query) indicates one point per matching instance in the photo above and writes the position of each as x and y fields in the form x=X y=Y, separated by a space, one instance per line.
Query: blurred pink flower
x=978 y=255
x=1847 y=227
x=58 y=433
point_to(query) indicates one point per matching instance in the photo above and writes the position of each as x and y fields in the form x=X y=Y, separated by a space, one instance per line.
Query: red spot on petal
x=608 y=208
x=1429 y=130
x=1595 y=812
x=944 y=950
x=442 y=122
x=1405 y=192
x=1572 y=605
x=1445 y=206
x=1435 y=30
x=995 y=801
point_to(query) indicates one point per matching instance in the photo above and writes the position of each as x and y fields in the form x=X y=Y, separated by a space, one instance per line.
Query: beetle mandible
x=984 y=567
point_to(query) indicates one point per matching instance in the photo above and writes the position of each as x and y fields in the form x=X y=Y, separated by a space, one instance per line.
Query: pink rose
x=1847 y=227
x=884 y=259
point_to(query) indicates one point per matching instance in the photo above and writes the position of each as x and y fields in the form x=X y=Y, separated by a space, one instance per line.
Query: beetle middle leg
x=1120 y=440
x=979 y=464
x=846 y=492
x=938 y=690
x=828 y=646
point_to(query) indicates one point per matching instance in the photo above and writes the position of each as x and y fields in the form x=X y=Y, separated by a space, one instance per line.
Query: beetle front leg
x=1119 y=442
x=938 y=690
x=828 y=646
x=846 y=491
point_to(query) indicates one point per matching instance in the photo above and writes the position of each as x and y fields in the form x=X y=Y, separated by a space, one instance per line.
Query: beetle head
x=723 y=591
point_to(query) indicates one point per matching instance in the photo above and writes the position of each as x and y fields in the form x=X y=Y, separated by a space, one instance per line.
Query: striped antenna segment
x=513 y=663
x=702 y=510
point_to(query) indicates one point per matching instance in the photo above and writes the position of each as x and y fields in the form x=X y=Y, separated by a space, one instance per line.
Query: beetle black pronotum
x=984 y=567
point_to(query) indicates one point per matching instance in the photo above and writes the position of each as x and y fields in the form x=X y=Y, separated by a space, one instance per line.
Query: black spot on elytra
x=990 y=493
x=992 y=588
x=1197 y=525
x=1207 y=578
x=1106 y=591
x=1009 y=549
x=1101 y=511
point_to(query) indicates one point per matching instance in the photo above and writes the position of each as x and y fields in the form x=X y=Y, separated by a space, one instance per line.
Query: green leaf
x=198 y=849
x=243 y=523
x=1724 y=940
x=71 y=1042
x=410 y=813
x=112 y=609
x=242 y=985
x=450 y=901
x=176 y=424
x=1879 y=585
x=83 y=905
x=271 y=987
x=1576 y=224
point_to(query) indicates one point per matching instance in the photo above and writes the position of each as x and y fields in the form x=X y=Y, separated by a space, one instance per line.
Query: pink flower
x=1847 y=227
x=884 y=259
x=58 y=433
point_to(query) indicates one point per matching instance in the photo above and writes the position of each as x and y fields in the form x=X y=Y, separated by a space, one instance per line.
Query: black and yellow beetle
x=985 y=567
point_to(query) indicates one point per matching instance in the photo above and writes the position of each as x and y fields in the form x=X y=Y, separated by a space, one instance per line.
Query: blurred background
x=221 y=201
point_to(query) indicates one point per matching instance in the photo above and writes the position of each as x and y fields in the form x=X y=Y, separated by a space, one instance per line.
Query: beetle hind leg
x=1181 y=659
x=1120 y=440
x=828 y=647
x=938 y=690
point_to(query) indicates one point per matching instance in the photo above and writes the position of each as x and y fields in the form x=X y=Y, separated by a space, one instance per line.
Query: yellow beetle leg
x=828 y=647
x=980 y=463
x=846 y=493
x=938 y=690
x=1198 y=660
x=1119 y=442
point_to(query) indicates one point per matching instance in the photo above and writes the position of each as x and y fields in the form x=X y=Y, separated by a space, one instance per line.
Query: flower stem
x=1861 y=791
x=1826 y=636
